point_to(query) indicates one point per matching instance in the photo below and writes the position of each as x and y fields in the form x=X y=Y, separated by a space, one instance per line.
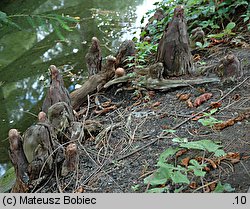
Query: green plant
x=174 y=174
x=57 y=22
x=226 y=32
x=208 y=120
x=135 y=187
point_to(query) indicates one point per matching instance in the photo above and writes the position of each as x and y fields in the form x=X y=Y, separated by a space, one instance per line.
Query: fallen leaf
x=189 y=103
x=184 y=97
x=212 y=186
x=221 y=126
x=181 y=152
x=213 y=164
x=207 y=169
x=156 y=104
x=79 y=190
x=215 y=104
x=193 y=185
x=185 y=161
x=105 y=110
x=233 y=155
x=202 y=98
x=106 y=104
x=197 y=117
x=196 y=57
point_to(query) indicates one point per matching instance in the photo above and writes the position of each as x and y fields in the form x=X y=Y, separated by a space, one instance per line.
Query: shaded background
x=25 y=55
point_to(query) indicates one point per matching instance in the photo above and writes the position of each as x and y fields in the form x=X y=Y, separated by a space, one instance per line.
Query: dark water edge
x=26 y=55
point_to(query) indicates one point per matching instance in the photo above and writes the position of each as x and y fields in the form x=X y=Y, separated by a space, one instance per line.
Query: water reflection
x=26 y=55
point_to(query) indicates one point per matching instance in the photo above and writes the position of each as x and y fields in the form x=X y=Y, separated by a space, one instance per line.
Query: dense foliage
x=218 y=18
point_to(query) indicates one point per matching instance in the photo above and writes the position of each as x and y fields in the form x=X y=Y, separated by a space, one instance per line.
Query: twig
x=205 y=185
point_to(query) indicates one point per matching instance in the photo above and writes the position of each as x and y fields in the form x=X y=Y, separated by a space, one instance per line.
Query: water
x=26 y=55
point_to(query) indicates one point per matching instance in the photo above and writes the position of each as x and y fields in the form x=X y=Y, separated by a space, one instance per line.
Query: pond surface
x=25 y=55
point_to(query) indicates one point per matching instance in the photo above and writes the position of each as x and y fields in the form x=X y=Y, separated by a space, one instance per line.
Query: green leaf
x=213 y=111
x=160 y=177
x=3 y=17
x=158 y=190
x=64 y=25
x=167 y=153
x=228 y=187
x=180 y=140
x=169 y=131
x=219 y=153
x=199 y=44
x=177 y=177
x=31 y=21
x=135 y=187
x=230 y=26
x=70 y=19
x=197 y=168
x=221 y=188
x=57 y=30
x=7 y=180
x=206 y=145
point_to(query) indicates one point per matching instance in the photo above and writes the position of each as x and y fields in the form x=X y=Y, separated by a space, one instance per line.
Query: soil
x=131 y=142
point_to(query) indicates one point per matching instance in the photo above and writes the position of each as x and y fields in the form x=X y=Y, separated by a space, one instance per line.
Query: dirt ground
x=126 y=151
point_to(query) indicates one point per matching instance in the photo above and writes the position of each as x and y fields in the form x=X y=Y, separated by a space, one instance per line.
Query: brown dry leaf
x=213 y=164
x=156 y=104
x=202 y=98
x=185 y=161
x=221 y=126
x=197 y=117
x=184 y=97
x=79 y=190
x=105 y=110
x=212 y=186
x=189 y=103
x=193 y=185
x=233 y=155
x=215 y=104
x=181 y=152
x=106 y=104
x=207 y=169
x=196 y=57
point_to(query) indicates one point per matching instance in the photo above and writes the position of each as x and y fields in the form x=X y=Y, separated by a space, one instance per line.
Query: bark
x=94 y=57
x=126 y=49
x=161 y=84
x=60 y=116
x=173 y=49
x=71 y=159
x=38 y=146
x=93 y=84
x=56 y=92
x=229 y=68
x=19 y=161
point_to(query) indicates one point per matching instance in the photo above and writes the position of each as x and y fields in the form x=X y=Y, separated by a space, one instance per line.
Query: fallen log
x=163 y=84
x=93 y=84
